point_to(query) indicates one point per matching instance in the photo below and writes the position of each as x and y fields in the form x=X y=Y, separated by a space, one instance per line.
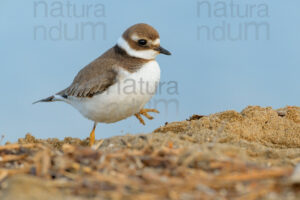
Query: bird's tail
x=50 y=99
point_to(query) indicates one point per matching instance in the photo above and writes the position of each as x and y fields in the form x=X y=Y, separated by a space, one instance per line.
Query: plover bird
x=119 y=83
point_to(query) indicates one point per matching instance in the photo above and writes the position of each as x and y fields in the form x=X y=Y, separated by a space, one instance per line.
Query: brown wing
x=95 y=78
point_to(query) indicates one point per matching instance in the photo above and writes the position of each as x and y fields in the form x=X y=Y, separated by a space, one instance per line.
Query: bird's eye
x=142 y=42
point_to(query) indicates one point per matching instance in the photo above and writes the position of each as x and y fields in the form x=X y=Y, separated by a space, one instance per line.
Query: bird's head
x=142 y=41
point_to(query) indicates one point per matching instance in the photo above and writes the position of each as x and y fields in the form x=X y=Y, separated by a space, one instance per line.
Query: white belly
x=123 y=99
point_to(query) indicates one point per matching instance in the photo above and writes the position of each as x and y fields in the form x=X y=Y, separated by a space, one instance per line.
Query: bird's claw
x=144 y=112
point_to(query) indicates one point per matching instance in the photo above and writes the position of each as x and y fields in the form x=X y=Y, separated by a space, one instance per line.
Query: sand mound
x=228 y=155
x=275 y=128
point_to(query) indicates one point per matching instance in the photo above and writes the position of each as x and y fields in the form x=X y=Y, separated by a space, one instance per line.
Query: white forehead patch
x=135 y=37
x=156 y=42
x=144 y=54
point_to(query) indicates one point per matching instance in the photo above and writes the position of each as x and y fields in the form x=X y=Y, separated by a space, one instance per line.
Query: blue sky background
x=212 y=75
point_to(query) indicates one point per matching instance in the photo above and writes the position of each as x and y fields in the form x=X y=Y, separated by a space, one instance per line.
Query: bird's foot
x=144 y=112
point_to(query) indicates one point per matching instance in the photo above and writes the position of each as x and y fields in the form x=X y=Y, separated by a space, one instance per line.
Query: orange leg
x=92 y=135
x=144 y=112
x=138 y=116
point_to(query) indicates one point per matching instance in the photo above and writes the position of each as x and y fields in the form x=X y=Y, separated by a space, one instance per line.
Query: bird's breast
x=125 y=98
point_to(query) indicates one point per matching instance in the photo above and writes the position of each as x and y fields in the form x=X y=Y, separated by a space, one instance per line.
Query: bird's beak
x=163 y=51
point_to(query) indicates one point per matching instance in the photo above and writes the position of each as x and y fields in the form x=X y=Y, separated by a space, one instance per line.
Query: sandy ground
x=229 y=155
